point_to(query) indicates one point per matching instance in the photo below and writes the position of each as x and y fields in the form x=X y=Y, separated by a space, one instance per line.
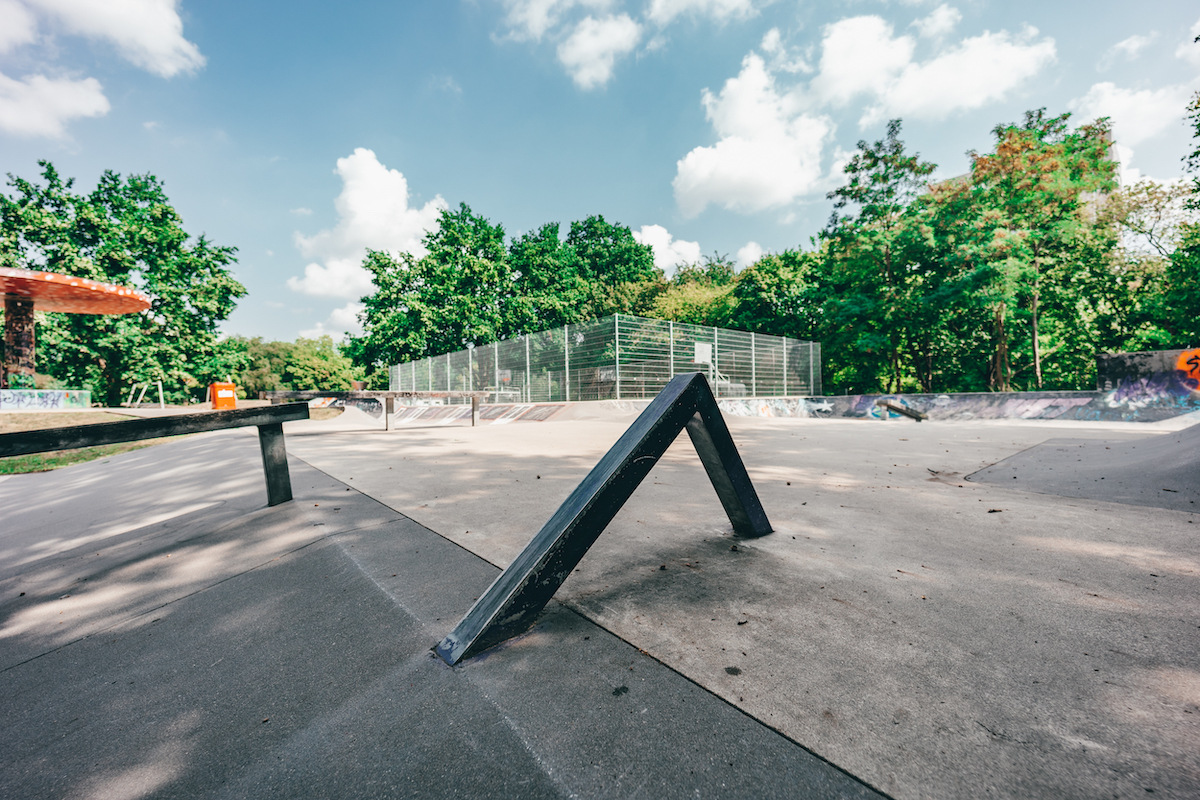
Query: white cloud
x=663 y=12
x=859 y=55
x=769 y=153
x=301 y=212
x=40 y=106
x=149 y=33
x=981 y=70
x=342 y=322
x=1137 y=115
x=748 y=254
x=669 y=252
x=1189 y=50
x=530 y=20
x=1131 y=47
x=939 y=23
x=593 y=47
x=17 y=25
x=373 y=212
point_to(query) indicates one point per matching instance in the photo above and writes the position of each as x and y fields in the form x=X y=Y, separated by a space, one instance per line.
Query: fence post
x=671 y=348
x=528 y=376
x=785 y=341
x=567 y=359
x=716 y=368
x=753 y=369
x=617 y=337
x=810 y=367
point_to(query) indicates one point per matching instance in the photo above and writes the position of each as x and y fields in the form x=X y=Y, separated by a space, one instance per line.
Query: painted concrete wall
x=43 y=399
x=1146 y=400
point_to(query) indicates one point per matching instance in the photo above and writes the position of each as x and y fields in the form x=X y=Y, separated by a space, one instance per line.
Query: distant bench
x=269 y=420
x=389 y=398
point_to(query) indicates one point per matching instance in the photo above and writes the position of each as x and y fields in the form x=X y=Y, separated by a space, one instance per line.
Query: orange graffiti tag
x=1188 y=363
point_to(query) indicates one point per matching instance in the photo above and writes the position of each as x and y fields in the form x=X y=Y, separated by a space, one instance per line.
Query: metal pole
x=470 y=369
x=810 y=367
x=617 y=336
x=753 y=369
x=528 y=377
x=716 y=370
x=671 y=348
x=448 y=376
x=567 y=358
x=496 y=368
x=785 y=341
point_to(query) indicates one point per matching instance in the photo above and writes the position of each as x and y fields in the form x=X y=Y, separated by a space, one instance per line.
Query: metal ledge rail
x=512 y=603
x=268 y=420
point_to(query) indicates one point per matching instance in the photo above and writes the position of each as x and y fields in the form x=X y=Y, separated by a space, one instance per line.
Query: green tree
x=699 y=294
x=318 y=364
x=617 y=270
x=461 y=292
x=550 y=291
x=1032 y=195
x=124 y=232
x=873 y=247
x=1178 y=307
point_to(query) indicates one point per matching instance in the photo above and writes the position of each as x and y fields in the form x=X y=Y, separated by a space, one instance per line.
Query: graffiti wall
x=44 y=399
x=1144 y=400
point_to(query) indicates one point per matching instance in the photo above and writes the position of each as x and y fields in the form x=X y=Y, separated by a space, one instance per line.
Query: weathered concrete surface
x=1160 y=471
x=164 y=634
x=936 y=637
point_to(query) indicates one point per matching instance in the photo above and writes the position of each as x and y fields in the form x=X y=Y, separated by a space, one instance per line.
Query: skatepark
x=951 y=608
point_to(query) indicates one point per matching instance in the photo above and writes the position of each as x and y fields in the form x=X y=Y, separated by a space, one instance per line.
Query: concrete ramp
x=1162 y=471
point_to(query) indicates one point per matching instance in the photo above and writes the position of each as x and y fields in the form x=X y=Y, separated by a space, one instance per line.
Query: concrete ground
x=930 y=635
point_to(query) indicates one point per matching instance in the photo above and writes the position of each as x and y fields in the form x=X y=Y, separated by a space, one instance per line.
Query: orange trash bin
x=224 y=395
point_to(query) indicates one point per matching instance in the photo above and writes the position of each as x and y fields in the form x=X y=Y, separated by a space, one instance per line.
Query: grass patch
x=43 y=462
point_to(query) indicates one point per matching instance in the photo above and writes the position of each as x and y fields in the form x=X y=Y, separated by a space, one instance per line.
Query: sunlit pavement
x=930 y=635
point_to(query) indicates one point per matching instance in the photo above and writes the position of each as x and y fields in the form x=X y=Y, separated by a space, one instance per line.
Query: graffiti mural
x=1144 y=400
x=44 y=399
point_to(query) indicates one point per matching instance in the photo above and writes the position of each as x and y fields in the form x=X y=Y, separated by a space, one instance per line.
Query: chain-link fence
x=619 y=357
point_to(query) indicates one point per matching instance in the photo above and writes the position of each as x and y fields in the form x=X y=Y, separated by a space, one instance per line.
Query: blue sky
x=304 y=132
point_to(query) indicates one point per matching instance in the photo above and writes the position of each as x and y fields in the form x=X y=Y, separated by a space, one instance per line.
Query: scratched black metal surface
x=512 y=603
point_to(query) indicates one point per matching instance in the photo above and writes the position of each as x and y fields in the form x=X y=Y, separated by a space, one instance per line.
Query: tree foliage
x=1012 y=276
x=471 y=289
x=124 y=232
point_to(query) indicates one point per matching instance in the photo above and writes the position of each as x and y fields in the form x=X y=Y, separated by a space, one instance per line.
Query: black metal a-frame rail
x=512 y=603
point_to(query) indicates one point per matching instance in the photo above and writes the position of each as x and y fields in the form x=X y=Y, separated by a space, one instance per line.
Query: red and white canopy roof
x=51 y=291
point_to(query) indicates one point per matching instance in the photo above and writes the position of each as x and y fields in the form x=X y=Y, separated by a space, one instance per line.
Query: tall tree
x=1179 y=307
x=1033 y=192
x=872 y=245
x=124 y=232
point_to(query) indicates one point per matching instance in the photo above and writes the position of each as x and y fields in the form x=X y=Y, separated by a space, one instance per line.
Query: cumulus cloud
x=17 y=25
x=859 y=55
x=1129 y=48
x=531 y=20
x=769 y=153
x=41 y=106
x=591 y=50
x=373 y=212
x=748 y=254
x=663 y=12
x=148 y=33
x=342 y=322
x=1137 y=114
x=773 y=139
x=939 y=23
x=669 y=252
x=978 y=71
